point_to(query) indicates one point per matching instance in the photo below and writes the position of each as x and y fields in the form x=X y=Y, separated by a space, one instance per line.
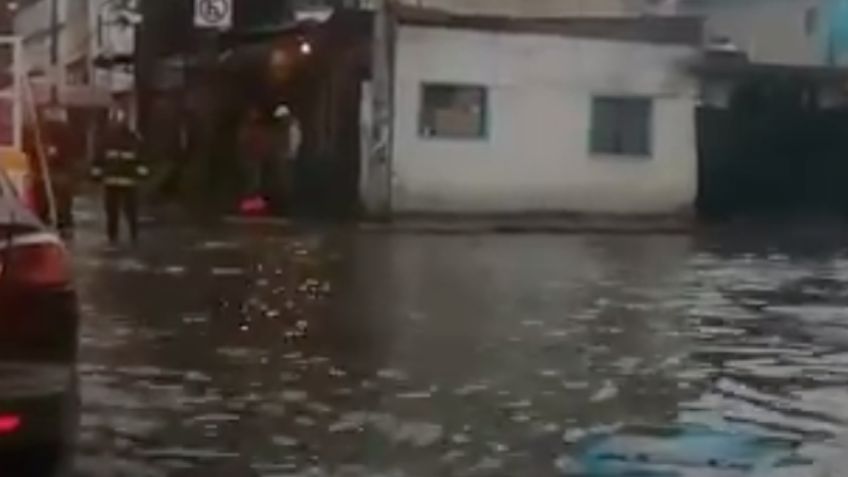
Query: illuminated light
x=12 y=6
x=9 y=423
x=305 y=48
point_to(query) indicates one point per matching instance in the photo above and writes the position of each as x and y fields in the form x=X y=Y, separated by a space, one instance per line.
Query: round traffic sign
x=214 y=11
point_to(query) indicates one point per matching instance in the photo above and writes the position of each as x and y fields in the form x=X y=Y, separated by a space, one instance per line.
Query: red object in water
x=9 y=423
x=253 y=206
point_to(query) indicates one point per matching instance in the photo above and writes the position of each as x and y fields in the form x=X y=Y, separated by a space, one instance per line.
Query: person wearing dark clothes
x=120 y=169
x=63 y=155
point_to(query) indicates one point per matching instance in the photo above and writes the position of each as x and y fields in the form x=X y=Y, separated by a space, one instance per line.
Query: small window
x=453 y=111
x=621 y=126
x=811 y=21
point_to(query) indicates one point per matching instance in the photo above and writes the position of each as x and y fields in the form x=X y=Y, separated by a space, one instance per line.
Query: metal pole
x=41 y=153
x=54 y=50
x=17 y=111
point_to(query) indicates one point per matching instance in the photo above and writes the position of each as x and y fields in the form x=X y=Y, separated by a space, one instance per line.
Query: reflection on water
x=367 y=354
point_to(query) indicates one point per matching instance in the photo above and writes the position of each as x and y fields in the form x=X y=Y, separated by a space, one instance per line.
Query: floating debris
x=452 y=456
x=521 y=418
x=419 y=434
x=305 y=421
x=574 y=435
x=285 y=441
x=608 y=391
x=424 y=394
x=647 y=450
x=486 y=464
x=336 y=372
x=498 y=447
x=130 y=265
x=532 y=323
x=318 y=407
x=557 y=333
x=294 y=395
x=217 y=245
x=227 y=272
x=469 y=389
x=522 y=404
x=350 y=422
x=195 y=318
x=174 y=270
x=392 y=374
x=575 y=385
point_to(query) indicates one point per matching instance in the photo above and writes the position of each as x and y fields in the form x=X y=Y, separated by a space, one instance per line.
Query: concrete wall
x=81 y=39
x=549 y=8
x=528 y=7
x=536 y=156
x=115 y=38
x=770 y=31
x=32 y=24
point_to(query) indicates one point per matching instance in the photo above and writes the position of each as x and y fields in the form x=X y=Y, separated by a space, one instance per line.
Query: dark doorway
x=773 y=152
x=316 y=71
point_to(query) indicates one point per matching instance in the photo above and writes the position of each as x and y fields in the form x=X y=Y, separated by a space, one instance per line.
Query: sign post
x=213 y=14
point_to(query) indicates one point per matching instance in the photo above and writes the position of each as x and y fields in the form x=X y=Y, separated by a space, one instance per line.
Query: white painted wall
x=114 y=39
x=32 y=24
x=549 y=8
x=536 y=157
x=80 y=40
x=770 y=31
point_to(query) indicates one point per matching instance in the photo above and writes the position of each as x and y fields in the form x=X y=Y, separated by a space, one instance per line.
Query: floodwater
x=331 y=352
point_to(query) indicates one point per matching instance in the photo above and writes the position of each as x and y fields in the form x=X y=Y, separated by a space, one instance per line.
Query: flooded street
x=333 y=352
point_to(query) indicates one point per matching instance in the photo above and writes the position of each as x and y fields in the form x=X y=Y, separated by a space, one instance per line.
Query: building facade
x=62 y=65
x=787 y=32
x=542 y=121
x=549 y=8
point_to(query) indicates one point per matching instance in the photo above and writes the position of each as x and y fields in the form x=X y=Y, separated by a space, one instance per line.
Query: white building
x=587 y=116
x=788 y=32
x=549 y=8
x=85 y=30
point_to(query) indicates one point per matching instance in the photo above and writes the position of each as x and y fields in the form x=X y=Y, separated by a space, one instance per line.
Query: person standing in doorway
x=289 y=138
x=120 y=169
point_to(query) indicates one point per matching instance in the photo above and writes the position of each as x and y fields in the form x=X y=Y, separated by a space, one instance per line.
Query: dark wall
x=169 y=22
x=772 y=155
x=5 y=18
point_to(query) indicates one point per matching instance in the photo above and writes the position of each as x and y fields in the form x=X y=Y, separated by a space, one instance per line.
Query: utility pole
x=54 y=51
x=379 y=166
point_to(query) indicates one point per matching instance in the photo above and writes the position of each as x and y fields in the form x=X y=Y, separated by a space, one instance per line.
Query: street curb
x=281 y=222
x=470 y=225
x=517 y=229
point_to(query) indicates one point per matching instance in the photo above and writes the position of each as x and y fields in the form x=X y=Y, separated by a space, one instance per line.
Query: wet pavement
x=332 y=352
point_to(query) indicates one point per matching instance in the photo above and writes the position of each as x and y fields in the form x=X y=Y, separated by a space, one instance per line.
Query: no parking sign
x=216 y=14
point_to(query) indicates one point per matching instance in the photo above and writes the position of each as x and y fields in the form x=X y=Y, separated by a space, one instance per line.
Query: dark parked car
x=38 y=341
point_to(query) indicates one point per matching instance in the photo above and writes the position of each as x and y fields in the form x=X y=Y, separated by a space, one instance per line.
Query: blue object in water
x=672 y=451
